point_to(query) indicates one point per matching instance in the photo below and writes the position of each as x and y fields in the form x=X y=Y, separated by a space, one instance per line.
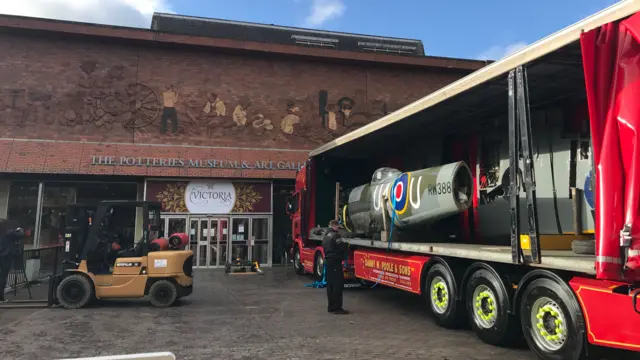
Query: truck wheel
x=163 y=293
x=552 y=321
x=74 y=291
x=297 y=262
x=487 y=308
x=318 y=267
x=441 y=295
x=584 y=247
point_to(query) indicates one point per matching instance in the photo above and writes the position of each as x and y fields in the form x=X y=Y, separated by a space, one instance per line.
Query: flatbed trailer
x=550 y=259
x=507 y=264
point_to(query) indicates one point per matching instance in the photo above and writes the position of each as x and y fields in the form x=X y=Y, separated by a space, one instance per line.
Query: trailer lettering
x=388 y=267
x=369 y=263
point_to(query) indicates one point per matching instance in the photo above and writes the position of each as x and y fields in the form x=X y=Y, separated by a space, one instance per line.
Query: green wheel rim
x=439 y=295
x=485 y=307
x=548 y=324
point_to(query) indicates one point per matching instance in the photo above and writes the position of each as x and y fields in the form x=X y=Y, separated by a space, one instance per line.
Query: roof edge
x=292 y=28
x=139 y=34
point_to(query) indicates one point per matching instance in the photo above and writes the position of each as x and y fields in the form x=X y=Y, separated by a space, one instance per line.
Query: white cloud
x=498 y=52
x=324 y=10
x=135 y=13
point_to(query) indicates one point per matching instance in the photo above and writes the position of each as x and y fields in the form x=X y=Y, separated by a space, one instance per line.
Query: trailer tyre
x=487 y=306
x=74 y=291
x=318 y=265
x=440 y=292
x=297 y=262
x=552 y=321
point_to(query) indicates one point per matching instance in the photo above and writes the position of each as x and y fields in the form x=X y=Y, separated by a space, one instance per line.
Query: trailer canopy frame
x=554 y=60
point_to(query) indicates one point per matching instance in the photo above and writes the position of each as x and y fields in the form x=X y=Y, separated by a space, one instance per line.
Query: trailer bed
x=551 y=259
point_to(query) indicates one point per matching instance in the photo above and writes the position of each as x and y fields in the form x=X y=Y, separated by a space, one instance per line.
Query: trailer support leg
x=514 y=156
x=520 y=143
x=524 y=119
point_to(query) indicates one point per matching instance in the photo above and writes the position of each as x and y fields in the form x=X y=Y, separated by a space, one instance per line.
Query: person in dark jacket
x=10 y=234
x=334 y=253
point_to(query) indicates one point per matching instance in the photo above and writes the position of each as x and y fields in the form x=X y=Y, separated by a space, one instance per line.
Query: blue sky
x=467 y=29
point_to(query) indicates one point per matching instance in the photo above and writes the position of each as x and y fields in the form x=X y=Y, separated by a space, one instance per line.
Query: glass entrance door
x=173 y=225
x=218 y=240
x=251 y=239
x=223 y=241
x=208 y=241
x=239 y=238
x=194 y=236
x=260 y=235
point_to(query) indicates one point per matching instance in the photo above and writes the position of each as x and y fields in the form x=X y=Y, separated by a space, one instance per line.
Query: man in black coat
x=10 y=234
x=334 y=253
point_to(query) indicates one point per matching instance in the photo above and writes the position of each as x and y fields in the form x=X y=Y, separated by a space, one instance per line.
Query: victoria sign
x=194 y=163
x=210 y=197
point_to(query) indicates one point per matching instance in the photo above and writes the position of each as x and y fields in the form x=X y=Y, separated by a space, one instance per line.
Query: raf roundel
x=399 y=195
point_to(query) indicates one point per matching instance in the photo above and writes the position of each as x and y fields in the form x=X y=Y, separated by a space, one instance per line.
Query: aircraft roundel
x=399 y=193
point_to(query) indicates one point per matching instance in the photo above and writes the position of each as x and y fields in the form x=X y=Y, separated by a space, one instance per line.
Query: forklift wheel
x=74 y=291
x=163 y=293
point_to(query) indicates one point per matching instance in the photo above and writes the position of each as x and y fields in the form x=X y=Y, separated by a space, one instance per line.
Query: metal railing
x=49 y=257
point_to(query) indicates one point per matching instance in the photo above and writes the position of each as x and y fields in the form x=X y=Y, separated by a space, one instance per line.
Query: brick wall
x=110 y=96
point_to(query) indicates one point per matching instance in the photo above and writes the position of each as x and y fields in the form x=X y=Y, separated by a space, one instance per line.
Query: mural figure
x=292 y=118
x=346 y=104
x=332 y=114
x=240 y=113
x=169 y=101
x=260 y=122
x=214 y=106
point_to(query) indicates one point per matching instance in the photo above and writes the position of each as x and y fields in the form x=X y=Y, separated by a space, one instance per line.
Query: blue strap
x=393 y=221
x=322 y=283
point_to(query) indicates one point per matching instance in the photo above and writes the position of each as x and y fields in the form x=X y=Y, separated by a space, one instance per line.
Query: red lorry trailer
x=517 y=206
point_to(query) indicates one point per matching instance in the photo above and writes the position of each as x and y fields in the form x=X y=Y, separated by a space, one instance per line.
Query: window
x=23 y=207
x=387 y=48
x=55 y=199
x=315 y=41
x=23 y=202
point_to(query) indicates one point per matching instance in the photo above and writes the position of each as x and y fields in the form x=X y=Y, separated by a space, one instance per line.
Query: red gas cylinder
x=179 y=241
x=175 y=242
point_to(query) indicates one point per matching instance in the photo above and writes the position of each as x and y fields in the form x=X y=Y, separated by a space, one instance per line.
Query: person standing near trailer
x=334 y=252
x=10 y=234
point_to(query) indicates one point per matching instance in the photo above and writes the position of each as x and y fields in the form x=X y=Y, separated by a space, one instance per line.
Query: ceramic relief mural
x=107 y=105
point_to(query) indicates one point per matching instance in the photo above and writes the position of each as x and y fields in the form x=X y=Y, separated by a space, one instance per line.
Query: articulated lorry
x=509 y=199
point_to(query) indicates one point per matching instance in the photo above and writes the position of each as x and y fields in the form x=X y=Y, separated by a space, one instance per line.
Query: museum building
x=211 y=118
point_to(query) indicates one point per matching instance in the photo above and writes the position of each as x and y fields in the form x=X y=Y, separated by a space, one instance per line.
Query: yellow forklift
x=102 y=260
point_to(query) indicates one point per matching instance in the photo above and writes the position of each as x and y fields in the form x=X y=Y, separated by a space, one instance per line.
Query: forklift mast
x=78 y=219
x=85 y=223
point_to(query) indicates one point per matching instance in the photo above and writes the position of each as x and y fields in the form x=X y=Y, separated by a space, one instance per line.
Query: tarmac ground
x=254 y=317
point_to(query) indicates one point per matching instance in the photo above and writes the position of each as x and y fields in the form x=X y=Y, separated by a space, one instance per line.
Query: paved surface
x=246 y=317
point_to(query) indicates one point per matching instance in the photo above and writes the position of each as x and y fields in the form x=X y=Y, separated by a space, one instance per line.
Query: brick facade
x=65 y=100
